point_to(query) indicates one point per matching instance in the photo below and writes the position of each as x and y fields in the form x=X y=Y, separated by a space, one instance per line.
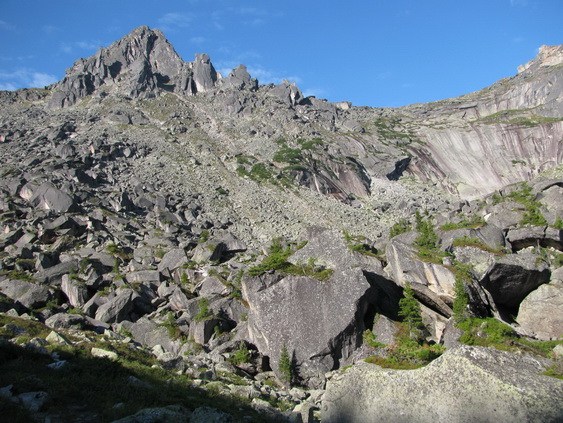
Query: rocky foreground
x=183 y=246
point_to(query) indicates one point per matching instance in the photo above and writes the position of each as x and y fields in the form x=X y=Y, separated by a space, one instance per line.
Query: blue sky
x=370 y=52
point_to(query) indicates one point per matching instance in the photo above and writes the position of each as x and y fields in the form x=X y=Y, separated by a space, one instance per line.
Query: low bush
x=240 y=355
x=204 y=313
x=401 y=227
x=276 y=260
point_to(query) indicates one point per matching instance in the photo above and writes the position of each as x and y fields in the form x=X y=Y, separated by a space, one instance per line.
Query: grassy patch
x=370 y=339
x=487 y=332
x=19 y=275
x=466 y=241
x=260 y=173
x=240 y=355
x=518 y=117
x=427 y=241
x=463 y=276
x=288 y=155
x=465 y=223
x=276 y=260
x=172 y=327
x=357 y=243
x=392 y=129
x=406 y=353
x=525 y=197
x=490 y=332
x=554 y=371
x=203 y=313
x=117 y=251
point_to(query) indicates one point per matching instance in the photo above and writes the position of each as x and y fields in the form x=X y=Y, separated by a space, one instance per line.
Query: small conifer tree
x=409 y=310
x=285 y=366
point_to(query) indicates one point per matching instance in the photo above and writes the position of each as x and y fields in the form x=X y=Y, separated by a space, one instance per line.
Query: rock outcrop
x=139 y=65
x=465 y=384
x=319 y=322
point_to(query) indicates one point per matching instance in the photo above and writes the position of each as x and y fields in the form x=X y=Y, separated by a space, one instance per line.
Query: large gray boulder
x=512 y=277
x=149 y=334
x=288 y=93
x=75 y=291
x=541 y=313
x=53 y=275
x=532 y=236
x=465 y=385
x=116 y=309
x=319 y=323
x=240 y=79
x=172 y=260
x=49 y=197
x=28 y=294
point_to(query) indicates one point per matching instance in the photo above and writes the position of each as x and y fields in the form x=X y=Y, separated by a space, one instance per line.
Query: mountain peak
x=138 y=65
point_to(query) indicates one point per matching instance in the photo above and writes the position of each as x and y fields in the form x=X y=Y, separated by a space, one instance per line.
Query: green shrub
x=409 y=311
x=427 y=241
x=310 y=144
x=19 y=275
x=532 y=214
x=407 y=353
x=204 y=313
x=358 y=244
x=240 y=356
x=203 y=236
x=463 y=276
x=288 y=155
x=172 y=327
x=277 y=260
x=401 y=227
x=370 y=339
x=426 y=238
x=475 y=221
x=487 y=332
x=260 y=172
x=364 y=249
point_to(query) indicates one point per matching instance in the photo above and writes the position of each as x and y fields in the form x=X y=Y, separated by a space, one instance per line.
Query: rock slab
x=466 y=384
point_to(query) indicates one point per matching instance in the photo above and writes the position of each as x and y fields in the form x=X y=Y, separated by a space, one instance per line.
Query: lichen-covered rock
x=540 y=314
x=464 y=385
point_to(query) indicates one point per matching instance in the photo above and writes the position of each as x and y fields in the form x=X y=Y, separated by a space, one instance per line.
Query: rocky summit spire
x=138 y=65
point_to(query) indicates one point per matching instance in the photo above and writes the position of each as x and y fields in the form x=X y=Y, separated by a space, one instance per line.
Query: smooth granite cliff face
x=511 y=131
